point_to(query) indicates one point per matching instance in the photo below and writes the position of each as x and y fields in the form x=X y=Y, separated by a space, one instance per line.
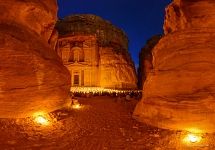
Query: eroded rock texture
x=95 y=52
x=32 y=77
x=145 y=60
x=179 y=93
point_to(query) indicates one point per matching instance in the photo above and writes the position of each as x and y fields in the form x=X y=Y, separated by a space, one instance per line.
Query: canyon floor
x=102 y=123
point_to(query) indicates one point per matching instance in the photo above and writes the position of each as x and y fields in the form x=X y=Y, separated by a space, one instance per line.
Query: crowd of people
x=126 y=95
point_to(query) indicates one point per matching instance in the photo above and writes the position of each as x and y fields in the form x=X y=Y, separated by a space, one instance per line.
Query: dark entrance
x=76 y=79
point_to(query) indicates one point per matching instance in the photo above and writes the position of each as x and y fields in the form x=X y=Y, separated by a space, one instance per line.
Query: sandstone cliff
x=102 y=51
x=145 y=60
x=117 y=70
x=179 y=92
x=32 y=77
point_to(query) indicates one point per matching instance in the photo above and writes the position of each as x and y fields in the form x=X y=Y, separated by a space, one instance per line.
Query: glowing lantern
x=76 y=106
x=192 y=138
x=41 y=118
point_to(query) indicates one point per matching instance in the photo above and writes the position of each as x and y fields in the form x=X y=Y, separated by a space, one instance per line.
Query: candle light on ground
x=192 y=138
x=76 y=106
x=41 y=119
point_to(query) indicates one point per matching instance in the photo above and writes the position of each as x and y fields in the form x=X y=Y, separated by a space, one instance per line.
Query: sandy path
x=102 y=124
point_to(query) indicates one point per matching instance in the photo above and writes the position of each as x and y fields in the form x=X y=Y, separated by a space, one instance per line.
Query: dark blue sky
x=140 y=19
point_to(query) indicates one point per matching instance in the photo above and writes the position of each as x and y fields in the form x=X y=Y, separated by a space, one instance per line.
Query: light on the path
x=76 y=106
x=192 y=138
x=41 y=119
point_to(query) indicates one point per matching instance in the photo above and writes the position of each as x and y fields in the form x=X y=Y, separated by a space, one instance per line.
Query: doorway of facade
x=76 y=80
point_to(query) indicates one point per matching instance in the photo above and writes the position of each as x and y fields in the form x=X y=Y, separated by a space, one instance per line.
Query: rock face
x=95 y=52
x=179 y=91
x=145 y=60
x=32 y=76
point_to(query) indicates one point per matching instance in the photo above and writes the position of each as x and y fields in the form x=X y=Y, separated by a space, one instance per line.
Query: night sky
x=140 y=19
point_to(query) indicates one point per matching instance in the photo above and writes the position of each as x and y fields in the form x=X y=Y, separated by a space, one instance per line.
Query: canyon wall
x=179 y=91
x=32 y=76
x=145 y=60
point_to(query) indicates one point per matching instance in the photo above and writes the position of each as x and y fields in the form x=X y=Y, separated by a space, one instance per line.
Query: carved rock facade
x=179 y=91
x=95 y=52
x=32 y=76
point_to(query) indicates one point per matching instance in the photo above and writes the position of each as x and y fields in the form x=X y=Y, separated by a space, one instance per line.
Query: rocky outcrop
x=88 y=24
x=117 y=70
x=179 y=91
x=32 y=76
x=95 y=52
x=145 y=60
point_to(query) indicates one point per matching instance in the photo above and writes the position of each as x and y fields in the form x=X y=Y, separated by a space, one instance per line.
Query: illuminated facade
x=81 y=58
x=95 y=52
